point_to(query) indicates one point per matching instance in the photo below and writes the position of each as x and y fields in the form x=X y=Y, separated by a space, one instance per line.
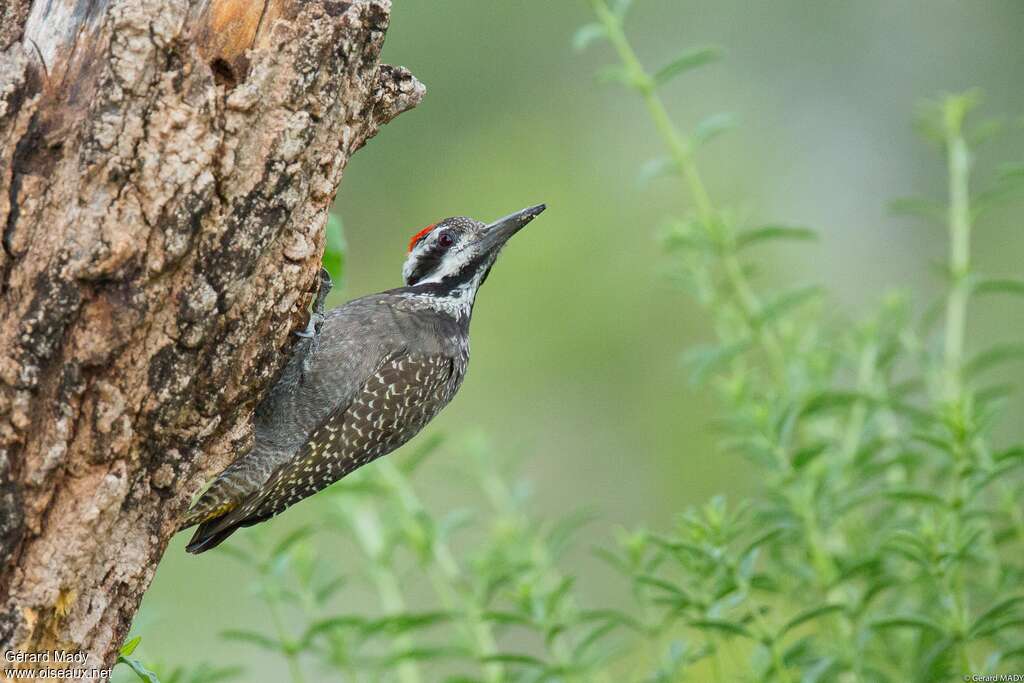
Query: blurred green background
x=578 y=334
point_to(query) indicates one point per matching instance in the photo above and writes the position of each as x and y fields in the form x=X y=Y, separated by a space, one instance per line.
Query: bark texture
x=166 y=167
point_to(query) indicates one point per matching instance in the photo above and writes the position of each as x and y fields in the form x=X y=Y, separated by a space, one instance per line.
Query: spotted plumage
x=396 y=402
x=376 y=371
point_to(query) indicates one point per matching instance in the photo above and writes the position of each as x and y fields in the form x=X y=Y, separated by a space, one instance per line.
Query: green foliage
x=885 y=542
x=124 y=657
x=201 y=673
x=334 y=250
x=505 y=583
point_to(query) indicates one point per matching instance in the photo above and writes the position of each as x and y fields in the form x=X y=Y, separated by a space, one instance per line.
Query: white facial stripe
x=451 y=263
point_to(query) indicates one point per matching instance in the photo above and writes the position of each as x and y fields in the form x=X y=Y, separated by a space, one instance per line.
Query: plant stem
x=367 y=527
x=778 y=661
x=504 y=502
x=958 y=159
x=292 y=657
x=449 y=575
x=679 y=147
x=858 y=414
x=681 y=150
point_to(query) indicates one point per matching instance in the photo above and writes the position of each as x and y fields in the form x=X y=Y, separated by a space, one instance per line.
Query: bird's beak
x=501 y=230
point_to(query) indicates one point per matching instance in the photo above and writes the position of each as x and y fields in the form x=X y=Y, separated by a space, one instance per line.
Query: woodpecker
x=362 y=381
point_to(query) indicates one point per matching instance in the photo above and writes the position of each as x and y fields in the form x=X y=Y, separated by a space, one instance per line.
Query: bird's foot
x=316 y=322
x=317 y=317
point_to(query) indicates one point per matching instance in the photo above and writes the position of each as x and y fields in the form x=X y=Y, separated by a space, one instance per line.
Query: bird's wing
x=398 y=400
x=310 y=386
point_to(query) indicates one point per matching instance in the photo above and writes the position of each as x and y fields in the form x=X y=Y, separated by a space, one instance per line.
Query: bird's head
x=456 y=254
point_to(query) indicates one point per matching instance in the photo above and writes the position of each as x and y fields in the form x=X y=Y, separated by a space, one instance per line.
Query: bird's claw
x=317 y=317
x=310 y=331
x=316 y=321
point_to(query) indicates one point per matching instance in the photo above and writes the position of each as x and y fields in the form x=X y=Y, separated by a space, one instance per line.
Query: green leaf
x=683 y=235
x=807 y=454
x=423 y=654
x=730 y=627
x=1008 y=171
x=787 y=301
x=822 y=670
x=908 y=621
x=998 y=611
x=587 y=34
x=621 y=618
x=679 y=596
x=621 y=7
x=761 y=539
x=998 y=627
x=253 y=638
x=1007 y=186
x=560 y=537
x=993 y=357
x=918 y=208
x=687 y=61
x=1015 y=653
x=808 y=615
x=291 y=540
x=425 y=447
x=912 y=495
x=611 y=559
x=324 y=592
x=129 y=647
x=657 y=168
x=592 y=637
x=507 y=618
x=403 y=623
x=998 y=286
x=554 y=599
x=1013 y=453
x=705 y=360
x=141 y=671
x=830 y=400
x=994 y=474
x=334 y=251
x=712 y=126
x=768 y=233
x=683 y=548
x=455 y=520
x=332 y=624
x=510 y=658
x=986 y=131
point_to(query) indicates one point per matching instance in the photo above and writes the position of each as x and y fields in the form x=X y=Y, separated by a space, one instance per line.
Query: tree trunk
x=166 y=168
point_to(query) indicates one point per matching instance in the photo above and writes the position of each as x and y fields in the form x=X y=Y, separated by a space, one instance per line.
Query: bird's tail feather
x=214 y=530
x=210 y=534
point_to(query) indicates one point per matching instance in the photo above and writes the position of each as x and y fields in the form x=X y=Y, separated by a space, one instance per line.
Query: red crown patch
x=420 y=235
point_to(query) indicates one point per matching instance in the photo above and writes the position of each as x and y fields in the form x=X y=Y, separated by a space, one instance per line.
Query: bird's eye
x=445 y=239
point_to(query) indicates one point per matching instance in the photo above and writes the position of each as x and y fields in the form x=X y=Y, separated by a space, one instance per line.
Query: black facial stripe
x=450 y=283
x=430 y=260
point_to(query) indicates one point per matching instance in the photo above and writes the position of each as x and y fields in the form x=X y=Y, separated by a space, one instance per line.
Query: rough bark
x=166 y=167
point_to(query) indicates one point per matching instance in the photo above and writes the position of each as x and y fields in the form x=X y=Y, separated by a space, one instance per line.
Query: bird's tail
x=211 y=534
x=214 y=530
x=216 y=499
x=210 y=511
